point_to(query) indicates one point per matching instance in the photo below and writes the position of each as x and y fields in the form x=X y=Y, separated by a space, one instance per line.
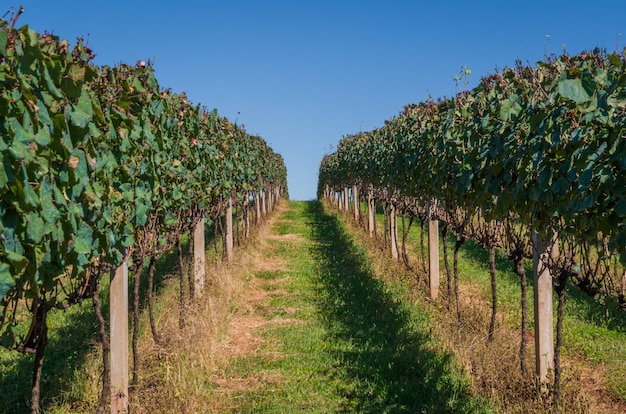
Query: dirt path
x=244 y=335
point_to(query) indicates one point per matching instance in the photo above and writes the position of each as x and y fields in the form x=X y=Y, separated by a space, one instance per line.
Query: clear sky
x=302 y=74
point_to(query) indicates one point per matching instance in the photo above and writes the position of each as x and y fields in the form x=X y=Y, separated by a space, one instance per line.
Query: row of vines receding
x=530 y=150
x=101 y=165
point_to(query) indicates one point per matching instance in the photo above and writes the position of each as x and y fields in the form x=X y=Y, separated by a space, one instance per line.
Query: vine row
x=101 y=165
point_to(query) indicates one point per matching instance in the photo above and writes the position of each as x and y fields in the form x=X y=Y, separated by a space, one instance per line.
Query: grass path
x=318 y=332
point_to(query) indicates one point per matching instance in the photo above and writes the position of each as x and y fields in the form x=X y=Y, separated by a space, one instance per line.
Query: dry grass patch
x=187 y=371
x=286 y=237
x=191 y=370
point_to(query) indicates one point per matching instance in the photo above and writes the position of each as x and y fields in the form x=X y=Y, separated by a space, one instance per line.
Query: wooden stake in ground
x=229 y=230
x=544 y=250
x=433 y=250
x=257 y=206
x=119 y=339
x=355 y=195
x=393 y=232
x=371 y=213
x=199 y=256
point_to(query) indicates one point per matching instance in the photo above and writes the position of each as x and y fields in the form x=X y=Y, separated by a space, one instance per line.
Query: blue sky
x=302 y=74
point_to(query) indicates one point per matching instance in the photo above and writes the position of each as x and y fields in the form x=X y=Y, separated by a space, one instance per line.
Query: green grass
x=73 y=344
x=71 y=335
x=356 y=346
x=293 y=366
x=593 y=332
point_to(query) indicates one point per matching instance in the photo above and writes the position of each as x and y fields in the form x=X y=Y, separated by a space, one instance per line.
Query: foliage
x=95 y=158
x=541 y=147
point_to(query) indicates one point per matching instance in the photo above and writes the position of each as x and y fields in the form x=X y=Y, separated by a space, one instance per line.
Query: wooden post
x=623 y=284
x=355 y=196
x=257 y=205
x=118 y=321
x=263 y=205
x=433 y=250
x=246 y=217
x=371 y=213
x=229 y=230
x=274 y=197
x=199 y=256
x=543 y=251
x=393 y=232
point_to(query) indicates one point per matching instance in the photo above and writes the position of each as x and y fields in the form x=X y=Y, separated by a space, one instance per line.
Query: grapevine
x=101 y=165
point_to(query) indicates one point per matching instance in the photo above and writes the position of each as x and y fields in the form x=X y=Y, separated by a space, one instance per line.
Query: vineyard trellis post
x=246 y=216
x=229 y=230
x=119 y=339
x=355 y=196
x=371 y=212
x=257 y=205
x=544 y=250
x=199 y=256
x=433 y=250
x=393 y=231
x=262 y=201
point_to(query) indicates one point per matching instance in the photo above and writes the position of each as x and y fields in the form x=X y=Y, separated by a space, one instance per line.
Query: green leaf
x=620 y=207
x=83 y=239
x=128 y=240
x=19 y=150
x=177 y=194
x=49 y=210
x=42 y=137
x=6 y=282
x=16 y=259
x=81 y=113
x=585 y=178
x=59 y=197
x=50 y=83
x=4 y=179
x=35 y=227
x=81 y=246
x=586 y=203
x=509 y=109
x=6 y=279
x=20 y=132
x=72 y=82
x=573 y=89
x=170 y=219
x=30 y=197
x=4 y=33
x=141 y=214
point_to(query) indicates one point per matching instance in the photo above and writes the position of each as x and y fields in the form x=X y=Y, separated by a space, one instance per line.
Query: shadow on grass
x=386 y=356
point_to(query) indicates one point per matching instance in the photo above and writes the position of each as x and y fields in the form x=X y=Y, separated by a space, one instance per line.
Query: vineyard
x=529 y=163
x=105 y=174
x=102 y=173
